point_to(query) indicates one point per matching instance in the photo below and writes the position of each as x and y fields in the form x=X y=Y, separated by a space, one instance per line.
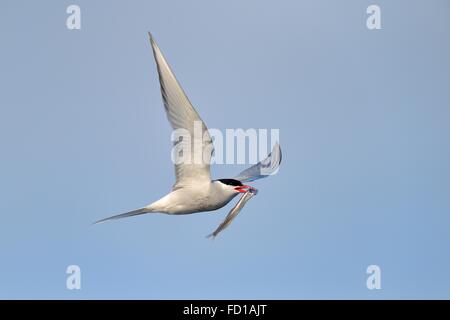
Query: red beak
x=242 y=189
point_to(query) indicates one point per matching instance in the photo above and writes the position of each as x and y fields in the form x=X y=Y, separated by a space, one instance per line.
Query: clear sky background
x=364 y=119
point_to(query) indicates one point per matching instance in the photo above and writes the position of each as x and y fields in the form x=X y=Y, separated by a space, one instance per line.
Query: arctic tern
x=194 y=191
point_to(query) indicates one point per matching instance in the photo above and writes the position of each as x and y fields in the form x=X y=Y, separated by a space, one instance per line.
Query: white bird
x=194 y=191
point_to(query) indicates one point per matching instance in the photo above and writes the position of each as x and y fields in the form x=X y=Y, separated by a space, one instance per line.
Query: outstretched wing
x=234 y=212
x=264 y=168
x=192 y=137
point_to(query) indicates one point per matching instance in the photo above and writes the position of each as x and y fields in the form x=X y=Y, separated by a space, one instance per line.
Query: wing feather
x=264 y=168
x=182 y=115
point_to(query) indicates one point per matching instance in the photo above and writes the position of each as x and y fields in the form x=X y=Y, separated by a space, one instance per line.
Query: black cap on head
x=230 y=182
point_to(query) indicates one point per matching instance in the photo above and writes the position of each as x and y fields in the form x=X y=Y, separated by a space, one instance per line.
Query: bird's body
x=199 y=197
x=194 y=190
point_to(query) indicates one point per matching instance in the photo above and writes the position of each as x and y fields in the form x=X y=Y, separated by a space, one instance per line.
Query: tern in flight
x=194 y=191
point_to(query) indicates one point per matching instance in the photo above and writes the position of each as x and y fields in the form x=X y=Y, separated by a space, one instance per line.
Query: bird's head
x=235 y=185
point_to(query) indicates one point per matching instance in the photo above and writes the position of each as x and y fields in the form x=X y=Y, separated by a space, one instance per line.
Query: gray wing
x=234 y=212
x=264 y=168
x=182 y=115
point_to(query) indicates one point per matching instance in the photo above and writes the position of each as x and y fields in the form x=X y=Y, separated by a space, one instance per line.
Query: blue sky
x=364 y=127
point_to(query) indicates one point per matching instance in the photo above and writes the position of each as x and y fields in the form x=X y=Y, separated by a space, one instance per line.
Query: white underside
x=193 y=198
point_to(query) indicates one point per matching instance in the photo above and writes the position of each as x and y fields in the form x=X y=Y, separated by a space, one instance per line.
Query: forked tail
x=126 y=214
